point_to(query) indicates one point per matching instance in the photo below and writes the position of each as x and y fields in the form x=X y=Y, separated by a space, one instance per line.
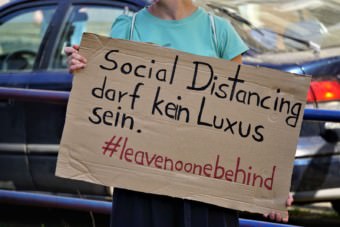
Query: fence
x=104 y=207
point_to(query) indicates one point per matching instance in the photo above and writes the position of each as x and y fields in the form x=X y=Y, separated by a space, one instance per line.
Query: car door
x=22 y=31
x=45 y=117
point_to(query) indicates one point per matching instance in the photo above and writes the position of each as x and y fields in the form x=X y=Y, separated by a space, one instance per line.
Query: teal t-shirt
x=193 y=34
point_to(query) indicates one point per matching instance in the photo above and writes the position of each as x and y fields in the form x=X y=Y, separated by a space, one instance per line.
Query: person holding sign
x=181 y=25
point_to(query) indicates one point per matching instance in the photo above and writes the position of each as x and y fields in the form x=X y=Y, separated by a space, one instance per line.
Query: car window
x=93 y=19
x=21 y=35
x=273 y=26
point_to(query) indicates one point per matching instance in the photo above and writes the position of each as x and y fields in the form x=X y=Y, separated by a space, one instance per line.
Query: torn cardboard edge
x=76 y=155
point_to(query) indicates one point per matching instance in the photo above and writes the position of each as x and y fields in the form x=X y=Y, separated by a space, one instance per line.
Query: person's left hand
x=277 y=216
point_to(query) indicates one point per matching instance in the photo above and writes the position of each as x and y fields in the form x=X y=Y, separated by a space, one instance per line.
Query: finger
x=79 y=57
x=81 y=66
x=285 y=219
x=72 y=62
x=75 y=46
x=76 y=67
x=69 y=60
x=278 y=217
x=69 y=50
x=75 y=62
x=290 y=200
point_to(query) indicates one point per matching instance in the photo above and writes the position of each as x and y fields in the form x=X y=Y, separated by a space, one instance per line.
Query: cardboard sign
x=161 y=121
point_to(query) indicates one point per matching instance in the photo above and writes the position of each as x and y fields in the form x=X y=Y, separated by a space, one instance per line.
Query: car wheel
x=336 y=206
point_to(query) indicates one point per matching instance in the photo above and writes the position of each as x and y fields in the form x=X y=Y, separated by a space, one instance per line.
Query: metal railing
x=86 y=205
x=104 y=207
x=61 y=97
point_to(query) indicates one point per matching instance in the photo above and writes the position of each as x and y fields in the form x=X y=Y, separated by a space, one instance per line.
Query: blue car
x=34 y=82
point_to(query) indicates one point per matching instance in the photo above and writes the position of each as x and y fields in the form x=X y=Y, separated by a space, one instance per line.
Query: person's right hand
x=74 y=60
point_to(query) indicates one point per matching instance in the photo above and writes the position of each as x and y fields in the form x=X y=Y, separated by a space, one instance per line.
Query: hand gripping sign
x=161 y=121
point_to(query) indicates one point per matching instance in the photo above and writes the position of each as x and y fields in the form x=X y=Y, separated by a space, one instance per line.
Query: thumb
x=75 y=46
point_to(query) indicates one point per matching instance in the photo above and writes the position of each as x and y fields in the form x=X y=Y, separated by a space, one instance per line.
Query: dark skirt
x=136 y=209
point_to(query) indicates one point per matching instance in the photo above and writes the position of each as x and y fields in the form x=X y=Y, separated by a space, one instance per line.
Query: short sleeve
x=121 y=27
x=230 y=44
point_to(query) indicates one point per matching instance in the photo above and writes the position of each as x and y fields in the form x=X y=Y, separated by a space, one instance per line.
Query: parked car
x=34 y=82
x=299 y=37
x=32 y=37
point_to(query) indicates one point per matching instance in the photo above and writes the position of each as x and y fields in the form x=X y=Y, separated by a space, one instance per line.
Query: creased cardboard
x=157 y=120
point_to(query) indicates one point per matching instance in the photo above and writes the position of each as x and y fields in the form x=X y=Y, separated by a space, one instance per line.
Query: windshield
x=275 y=24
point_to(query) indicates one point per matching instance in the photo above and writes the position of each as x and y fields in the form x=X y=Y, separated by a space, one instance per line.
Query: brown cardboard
x=244 y=162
